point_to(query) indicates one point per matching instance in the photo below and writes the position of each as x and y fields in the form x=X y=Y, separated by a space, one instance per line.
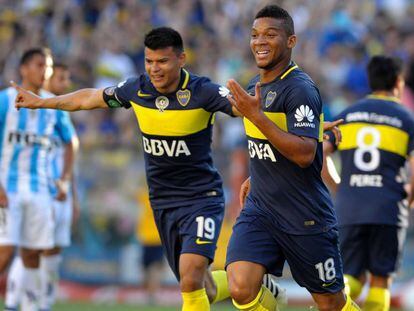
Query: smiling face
x=270 y=43
x=164 y=67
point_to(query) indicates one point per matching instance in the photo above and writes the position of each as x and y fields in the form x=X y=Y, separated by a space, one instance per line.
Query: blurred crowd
x=102 y=42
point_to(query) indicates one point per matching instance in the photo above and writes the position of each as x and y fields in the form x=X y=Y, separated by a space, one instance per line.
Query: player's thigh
x=354 y=246
x=38 y=223
x=315 y=261
x=385 y=253
x=253 y=240
x=63 y=222
x=166 y=221
x=11 y=219
x=199 y=228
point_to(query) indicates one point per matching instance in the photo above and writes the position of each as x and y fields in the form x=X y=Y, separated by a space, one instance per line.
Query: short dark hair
x=164 y=37
x=30 y=53
x=61 y=65
x=383 y=72
x=276 y=12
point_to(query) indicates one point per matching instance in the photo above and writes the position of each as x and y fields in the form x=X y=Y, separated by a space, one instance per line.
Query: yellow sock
x=220 y=278
x=378 y=299
x=264 y=301
x=350 y=305
x=353 y=287
x=196 y=301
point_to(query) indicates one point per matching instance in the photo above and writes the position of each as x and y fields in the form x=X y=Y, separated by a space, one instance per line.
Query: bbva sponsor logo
x=262 y=151
x=160 y=147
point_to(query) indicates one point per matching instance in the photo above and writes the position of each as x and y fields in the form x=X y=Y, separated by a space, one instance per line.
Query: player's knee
x=30 y=258
x=192 y=273
x=191 y=281
x=6 y=254
x=334 y=302
x=241 y=290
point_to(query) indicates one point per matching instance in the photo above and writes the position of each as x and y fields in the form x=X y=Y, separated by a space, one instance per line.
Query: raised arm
x=84 y=99
x=298 y=149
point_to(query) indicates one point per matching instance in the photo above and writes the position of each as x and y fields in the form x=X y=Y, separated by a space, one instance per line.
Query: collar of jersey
x=292 y=66
x=385 y=97
x=148 y=90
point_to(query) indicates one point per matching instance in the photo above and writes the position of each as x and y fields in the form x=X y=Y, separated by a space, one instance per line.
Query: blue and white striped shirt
x=26 y=142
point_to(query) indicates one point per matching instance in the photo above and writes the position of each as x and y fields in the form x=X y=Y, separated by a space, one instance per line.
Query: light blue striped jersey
x=56 y=157
x=25 y=144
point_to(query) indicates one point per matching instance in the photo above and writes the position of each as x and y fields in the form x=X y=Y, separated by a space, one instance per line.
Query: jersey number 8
x=371 y=148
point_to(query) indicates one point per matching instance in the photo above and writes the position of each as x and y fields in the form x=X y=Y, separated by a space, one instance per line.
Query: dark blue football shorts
x=314 y=260
x=151 y=254
x=373 y=248
x=191 y=229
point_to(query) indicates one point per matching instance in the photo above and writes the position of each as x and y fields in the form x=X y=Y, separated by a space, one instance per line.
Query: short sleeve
x=215 y=98
x=64 y=126
x=303 y=108
x=410 y=147
x=120 y=95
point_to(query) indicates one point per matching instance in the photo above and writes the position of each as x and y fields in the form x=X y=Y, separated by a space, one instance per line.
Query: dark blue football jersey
x=176 y=134
x=296 y=198
x=377 y=136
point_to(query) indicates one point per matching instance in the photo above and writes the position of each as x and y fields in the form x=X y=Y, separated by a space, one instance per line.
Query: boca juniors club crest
x=161 y=102
x=270 y=97
x=183 y=97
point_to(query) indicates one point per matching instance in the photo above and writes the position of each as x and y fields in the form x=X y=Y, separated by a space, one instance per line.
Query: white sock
x=31 y=288
x=14 y=284
x=49 y=277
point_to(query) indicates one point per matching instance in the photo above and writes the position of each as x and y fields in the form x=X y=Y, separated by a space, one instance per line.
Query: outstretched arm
x=84 y=99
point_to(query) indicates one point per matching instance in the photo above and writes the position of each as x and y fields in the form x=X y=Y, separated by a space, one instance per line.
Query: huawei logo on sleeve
x=304 y=115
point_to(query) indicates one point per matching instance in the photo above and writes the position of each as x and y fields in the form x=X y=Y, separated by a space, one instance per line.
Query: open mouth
x=262 y=54
x=157 y=78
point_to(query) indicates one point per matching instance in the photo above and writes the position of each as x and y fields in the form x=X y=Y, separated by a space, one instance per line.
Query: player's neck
x=30 y=87
x=170 y=89
x=268 y=75
x=385 y=93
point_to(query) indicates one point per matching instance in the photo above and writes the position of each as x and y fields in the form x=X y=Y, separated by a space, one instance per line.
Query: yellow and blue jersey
x=176 y=135
x=296 y=198
x=377 y=137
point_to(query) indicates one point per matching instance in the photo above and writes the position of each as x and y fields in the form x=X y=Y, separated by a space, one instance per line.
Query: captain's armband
x=111 y=99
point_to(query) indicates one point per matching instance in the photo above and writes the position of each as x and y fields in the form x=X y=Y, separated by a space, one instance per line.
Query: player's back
x=377 y=137
x=24 y=144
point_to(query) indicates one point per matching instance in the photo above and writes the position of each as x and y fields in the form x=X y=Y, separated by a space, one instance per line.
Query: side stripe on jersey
x=321 y=120
x=41 y=126
x=13 y=166
x=4 y=107
x=279 y=118
x=392 y=139
x=171 y=122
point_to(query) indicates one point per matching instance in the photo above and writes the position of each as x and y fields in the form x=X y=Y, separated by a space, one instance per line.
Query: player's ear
x=291 y=41
x=399 y=86
x=182 y=59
